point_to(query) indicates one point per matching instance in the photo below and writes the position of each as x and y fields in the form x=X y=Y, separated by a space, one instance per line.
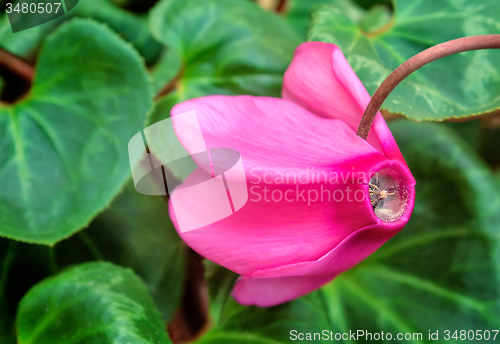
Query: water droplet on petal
x=388 y=195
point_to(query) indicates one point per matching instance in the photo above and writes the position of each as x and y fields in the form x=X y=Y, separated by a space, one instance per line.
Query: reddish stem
x=17 y=65
x=414 y=63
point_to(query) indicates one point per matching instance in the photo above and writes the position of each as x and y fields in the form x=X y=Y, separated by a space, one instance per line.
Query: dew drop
x=388 y=195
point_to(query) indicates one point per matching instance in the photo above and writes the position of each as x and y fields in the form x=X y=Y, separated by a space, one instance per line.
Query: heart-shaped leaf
x=64 y=146
x=456 y=86
x=90 y=303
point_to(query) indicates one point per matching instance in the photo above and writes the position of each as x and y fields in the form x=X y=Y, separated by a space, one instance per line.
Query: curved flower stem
x=17 y=65
x=421 y=59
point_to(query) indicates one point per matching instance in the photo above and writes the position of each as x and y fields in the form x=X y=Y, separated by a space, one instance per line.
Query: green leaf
x=90 y=303
x=254 y=325
x=169 y=65
x=237 y=324
x=248 y=58
x=220 y=282
x=64 y=153
x=134 y=232
x=226 y=47
x=453 y=87
x=441 y=272
x=297 y=13
x=131 y=27
x=21 y=266
x=24 y=43
x=168 y=147
x=375 y=19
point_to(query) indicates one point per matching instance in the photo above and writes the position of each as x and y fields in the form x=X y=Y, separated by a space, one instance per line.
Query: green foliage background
x=84 y=258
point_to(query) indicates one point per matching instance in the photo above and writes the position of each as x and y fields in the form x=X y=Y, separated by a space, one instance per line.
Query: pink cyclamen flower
x=285 y=245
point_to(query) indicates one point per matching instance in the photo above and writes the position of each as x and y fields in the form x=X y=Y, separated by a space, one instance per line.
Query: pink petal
x=321 y=80
x=267 y=287
x=355 y=247
x=277 y=136
x=274 y=135
x=351 y=251
x=264 y=235
x=267 y=292
x=270 y=287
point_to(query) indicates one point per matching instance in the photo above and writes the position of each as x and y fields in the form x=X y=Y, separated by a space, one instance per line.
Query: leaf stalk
x=429 y=55
x=17 y=65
